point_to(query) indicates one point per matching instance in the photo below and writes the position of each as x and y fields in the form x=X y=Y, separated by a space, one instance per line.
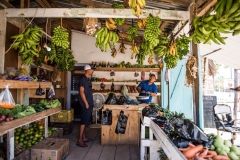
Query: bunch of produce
x=133 y=32
x=162 y=49
x=113 y=51
x=8 y=117
x=44 y=104
x=152 y=30
x=182 y=43
x=110 y=24
x=191 y=71
x=60 y=37
x=40 y=59
x=225 y=147
x=145 y=49
x=140 y=56
x=141 y=22
x=150 y=59
x=26 y=111
x=136 y=6
x=26 y=44
x=119 y=21
x=26 y=137
x=122 y=47
x=105 y=39
x=90 y=24
x=64 y=59
x=224 y=20
x=53 y=53
x=171 y=61
x=134 y=50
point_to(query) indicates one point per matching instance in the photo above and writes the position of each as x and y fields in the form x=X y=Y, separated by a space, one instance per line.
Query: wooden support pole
x=197 y=88
x=3 y=26
x=94 y=13
x=235 y=109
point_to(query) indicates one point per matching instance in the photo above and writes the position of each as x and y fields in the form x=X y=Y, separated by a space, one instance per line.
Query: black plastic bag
x=107 y=117
x=188 y=130
x=181 y=142
x=121 y=100
x=150 y=112
x=210 y=141
x=112 y=99
x=40 y=91
x=122 y=123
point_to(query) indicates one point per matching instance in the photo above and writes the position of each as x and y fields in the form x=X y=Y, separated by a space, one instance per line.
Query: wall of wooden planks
x=132 y=133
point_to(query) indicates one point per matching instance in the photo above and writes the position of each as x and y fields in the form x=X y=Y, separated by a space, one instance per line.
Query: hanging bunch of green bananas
x=42 y=53
x=162 y=49
x=105 y=39
x=152 y=30
x=133 y=32
x=224 y=20
x=140 y=56
x=52 y=53
x=171 y=61
x=64 y=59
x=60 y=37
x=26 y=44
x=119 y=21
x=145 y=49
x=182 y=43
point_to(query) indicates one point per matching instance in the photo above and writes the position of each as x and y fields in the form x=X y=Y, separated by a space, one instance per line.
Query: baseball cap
x=87 y=67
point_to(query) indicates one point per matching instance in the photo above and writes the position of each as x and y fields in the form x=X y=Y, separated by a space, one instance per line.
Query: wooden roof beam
x=178 y=2
x=6 y=4
x=41 y=3
x=94 y=13
x=92 y=3
x=47 y=3
x=54 y=4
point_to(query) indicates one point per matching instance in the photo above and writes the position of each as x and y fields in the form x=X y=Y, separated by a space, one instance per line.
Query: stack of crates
x=63 y=119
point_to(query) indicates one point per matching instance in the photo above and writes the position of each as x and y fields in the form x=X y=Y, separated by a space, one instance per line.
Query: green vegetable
x=235 y=149
x=212 y=147
x=227 y=143
x=28 y=110
x=232 y=156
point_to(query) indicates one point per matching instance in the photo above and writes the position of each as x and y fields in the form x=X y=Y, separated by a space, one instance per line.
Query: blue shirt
x=147 y=88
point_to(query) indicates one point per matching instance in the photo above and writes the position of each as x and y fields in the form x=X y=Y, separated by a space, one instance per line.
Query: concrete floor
x=96 y=151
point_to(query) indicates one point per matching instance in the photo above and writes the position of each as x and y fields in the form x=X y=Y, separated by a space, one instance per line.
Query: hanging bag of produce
x=40 y=91
x=112 y=99
x=51 y=93
x=107 y=117
x=6 y=99
x=122 y=123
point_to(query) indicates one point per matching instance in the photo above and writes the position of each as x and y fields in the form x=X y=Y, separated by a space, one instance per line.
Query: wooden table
x=131 y=136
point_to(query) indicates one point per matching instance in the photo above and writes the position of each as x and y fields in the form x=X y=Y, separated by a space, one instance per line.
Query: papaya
x=218 y=138
x=212 y=148
x=227 y=143
x=232 y=156
x=235 y=149
x=222 y=152
x=218 y=150
x=218 y=143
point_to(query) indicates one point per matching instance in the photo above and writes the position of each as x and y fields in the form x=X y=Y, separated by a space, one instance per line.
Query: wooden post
x=197 y=88
x=46 y=127
x=235 y=108
x=10 y=144
x=3 y=26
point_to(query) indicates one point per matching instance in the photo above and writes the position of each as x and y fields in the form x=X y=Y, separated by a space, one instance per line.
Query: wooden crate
x=132 y=134
x=57 y=134
x=25 y=155
x=67 y=127
x=63 y=116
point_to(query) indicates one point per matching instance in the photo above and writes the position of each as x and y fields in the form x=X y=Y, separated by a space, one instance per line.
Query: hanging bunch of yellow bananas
x=173 y=48
x=111 y=24
x=142 y=23
x=150 y=59
x=134 y=49
x=136 y=6
x=122 y=47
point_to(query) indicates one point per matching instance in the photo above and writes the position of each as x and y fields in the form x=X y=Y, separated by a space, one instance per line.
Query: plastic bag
x=122 y=123
x=40 y=91
x=107 y=117
x=124 y=90
x=181 y=142
x=51 y=93
x=150 y=112
x=121 y=100
x=112 y=99
x=6 y=99
x=130 y=101
x=188 y=130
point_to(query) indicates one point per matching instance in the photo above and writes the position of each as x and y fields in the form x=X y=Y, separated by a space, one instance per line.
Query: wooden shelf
x=44 y=66
x=15 y=84
x=119 y=94
x=121 y=83
x=6 y=126
x=128 y=69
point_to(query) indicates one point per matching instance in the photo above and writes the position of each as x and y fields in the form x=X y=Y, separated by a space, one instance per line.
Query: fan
x=98 y=101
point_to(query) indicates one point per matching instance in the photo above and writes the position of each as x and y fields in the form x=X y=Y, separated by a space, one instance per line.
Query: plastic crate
x=63 y=116
x=67 y=127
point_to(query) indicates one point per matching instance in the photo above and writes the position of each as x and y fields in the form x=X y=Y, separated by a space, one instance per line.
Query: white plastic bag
x=51 y=92
x=6 y=99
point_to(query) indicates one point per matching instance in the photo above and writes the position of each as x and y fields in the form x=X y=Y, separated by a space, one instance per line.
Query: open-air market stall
x=126 y=42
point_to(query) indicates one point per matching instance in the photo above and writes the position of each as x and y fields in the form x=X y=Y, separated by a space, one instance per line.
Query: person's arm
x=82 y=94
x=154 y=92
x=139 y=88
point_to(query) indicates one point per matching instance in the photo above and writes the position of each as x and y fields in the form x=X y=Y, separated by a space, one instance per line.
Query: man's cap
x=87 y=67
x=151 y=74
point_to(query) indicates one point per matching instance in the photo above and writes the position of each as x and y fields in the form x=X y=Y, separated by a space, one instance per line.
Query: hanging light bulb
x=46 y=46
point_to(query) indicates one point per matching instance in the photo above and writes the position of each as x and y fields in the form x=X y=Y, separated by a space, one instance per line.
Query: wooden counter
x=131 y=136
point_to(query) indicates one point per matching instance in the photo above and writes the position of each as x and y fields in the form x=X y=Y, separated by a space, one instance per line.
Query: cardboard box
x=50 y=149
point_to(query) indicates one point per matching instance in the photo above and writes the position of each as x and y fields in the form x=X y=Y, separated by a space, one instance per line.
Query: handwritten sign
x=208 y=103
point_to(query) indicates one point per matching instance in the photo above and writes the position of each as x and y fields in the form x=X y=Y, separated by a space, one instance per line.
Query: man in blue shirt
x=86 y=104
x=148 y=88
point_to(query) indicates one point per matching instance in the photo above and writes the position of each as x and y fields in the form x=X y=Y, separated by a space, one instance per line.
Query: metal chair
x=223 y=120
